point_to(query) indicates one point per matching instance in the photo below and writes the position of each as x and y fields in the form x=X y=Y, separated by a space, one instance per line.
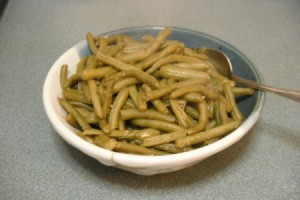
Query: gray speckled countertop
x=35 y=163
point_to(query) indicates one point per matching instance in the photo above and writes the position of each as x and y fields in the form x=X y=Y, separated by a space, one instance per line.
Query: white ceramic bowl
x=148 y=165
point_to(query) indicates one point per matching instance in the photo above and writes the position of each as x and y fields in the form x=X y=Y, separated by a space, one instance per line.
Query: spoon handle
x=292 y=94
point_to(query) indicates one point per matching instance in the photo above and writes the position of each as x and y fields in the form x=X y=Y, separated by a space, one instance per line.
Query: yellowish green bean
x=74 y=95
x=117 y=105
x=207 y=135
x=71 y=110
x=95 y=73
x=182 y=117
x=171 y=71
x=156 y=124
x=209 y=93
x=135 y=149
x=128 y=114
x=91 y=43
x=164 y=138
x=63 y=75
x=202 y=120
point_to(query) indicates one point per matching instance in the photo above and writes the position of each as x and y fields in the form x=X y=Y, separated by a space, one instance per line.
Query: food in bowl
x=149 y=96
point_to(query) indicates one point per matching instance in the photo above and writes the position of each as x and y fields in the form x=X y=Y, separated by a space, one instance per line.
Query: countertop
x=35 y=163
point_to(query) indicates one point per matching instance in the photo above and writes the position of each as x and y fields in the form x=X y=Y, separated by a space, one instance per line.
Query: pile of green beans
x=151 y=96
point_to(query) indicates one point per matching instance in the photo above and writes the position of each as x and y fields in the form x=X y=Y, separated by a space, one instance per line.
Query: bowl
x=148 y=165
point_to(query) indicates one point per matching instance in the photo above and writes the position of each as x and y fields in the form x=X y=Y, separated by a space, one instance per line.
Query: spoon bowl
x=224 y=67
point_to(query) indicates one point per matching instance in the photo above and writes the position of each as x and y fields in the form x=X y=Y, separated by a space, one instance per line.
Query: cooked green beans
x=152 y=96
x=116 y=107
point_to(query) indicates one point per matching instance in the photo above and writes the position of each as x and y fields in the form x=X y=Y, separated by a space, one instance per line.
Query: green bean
x=91 y=43
x=110 y=74
x=117 y=105
x=215 y=74
x=91 y=62
x=81 y=64
x=146 y=133
x=90 y=117
x=72 y=121
x=141 y=100
x=155 y=94
x=207 y=135
x=163 y=83
x=72 y=80
x=74 y=95
x=127 y=114
x=133 y=93
x=171 y=148
x=104 y=126
x=112 y=39
x=87 y=138
x=129 y=104
x=210 y=141
x=137 y=98
x=222 y=111
x=209 y=93
x=134 y=134
x=123 y=134
x=117 y=64
x=102 y=44
x=95 y=98
x=217 y=113
x=106 y=142
x=238 y=91
x=193 y=97
x=63 y=75
x=202 y=120
x=157 y=103
x=191 y=53
x=158 y=55
x=156 y=124
x=164 y=138
x=175 y=58
x=181 y=116
x=82 y=105
x=135 y=149
x=86 y=91
x=144 y=53
x=135 y=47
x=148 y=38
x=124 y=83
x=227 y=105
x=171 y=71
x=92 y=132
x=71 y=110
x=138 y=74
x=237 y=115
x=211 y=124
x=121 y=124
x=108 y=97
x=211 y=108
x=83 y=112
x=199 y=66
x=114 y=50
x=97 y=73
x=191 y=111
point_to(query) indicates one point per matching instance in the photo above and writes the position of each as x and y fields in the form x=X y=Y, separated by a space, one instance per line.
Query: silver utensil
x=224 y=67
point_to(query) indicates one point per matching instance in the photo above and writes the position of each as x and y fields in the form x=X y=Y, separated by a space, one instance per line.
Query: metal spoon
x=224 y=67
